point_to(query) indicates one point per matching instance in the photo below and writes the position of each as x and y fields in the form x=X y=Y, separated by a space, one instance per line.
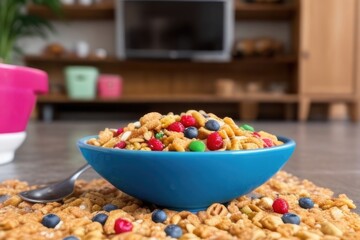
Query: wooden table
x=327 y=153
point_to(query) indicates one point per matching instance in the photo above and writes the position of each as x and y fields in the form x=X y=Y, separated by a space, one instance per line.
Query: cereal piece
x=217 y=209
x=330 y=229
x=271 y=222
x=105 y=136
x=153 y=124
x=200 y=119
x=93 y=141
x=111 y=143
x=203 y=133
x=249 y=146
x=150 y=117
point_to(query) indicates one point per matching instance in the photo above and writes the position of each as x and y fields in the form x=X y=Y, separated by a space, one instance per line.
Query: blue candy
x=212 y=125
x=100 y=218
x=291 y=218
x=306 y=203
x=191 y=132
x=50 y=220
x=173 y=231
x=110 y=207
x=71 y=238
x=159 y=216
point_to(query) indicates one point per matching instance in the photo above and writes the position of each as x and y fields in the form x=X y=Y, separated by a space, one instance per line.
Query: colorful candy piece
x=197 y=146
x=212 y=125
x=247 y=127
x=121 y=145
x=155 y=144
x=122 y=225
x=214 y=141
x=280 y=206
x=188 y=121
x=176 y=127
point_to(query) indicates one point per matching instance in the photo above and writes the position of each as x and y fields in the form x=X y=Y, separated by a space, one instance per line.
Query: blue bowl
x=186 y=180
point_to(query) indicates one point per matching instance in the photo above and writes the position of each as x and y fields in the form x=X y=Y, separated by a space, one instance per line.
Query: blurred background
x=249 y=59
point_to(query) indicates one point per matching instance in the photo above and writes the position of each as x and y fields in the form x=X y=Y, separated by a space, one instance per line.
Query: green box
x=81 y=81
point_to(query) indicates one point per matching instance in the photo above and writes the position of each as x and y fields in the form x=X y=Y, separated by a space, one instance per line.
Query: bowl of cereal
x=186 y=161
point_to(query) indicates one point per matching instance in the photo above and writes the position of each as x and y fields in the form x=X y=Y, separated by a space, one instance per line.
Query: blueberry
x=173 y=231
x=50 y=220
x=212 y=125
x=101 y=218
x=71 y=238
x=191 y=132
x=291 y=218
x=110 y=207
x=159 y=216
x=306 y=203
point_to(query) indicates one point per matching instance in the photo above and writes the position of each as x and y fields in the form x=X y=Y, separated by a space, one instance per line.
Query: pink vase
x=18 y=89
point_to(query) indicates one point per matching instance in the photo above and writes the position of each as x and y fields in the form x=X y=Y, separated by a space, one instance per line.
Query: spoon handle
x=79 y=171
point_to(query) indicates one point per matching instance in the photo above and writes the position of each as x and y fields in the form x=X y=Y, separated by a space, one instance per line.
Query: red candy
x=268 y=142
x=122 y=225
x=176 y=127
x=188 y=121
x=121 y=145
x=155 y=144
x=256 y=134
x=280 y=206
x=214 y=141
x=119 y=131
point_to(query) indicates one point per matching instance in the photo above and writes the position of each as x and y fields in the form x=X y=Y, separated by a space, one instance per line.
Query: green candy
x=247 y=127
x=159 y=135
x=197 y=146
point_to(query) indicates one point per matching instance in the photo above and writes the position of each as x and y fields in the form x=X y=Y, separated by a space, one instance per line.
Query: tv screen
x=195 y=29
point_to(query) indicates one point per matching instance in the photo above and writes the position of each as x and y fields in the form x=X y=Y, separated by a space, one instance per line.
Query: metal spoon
x=56 y=191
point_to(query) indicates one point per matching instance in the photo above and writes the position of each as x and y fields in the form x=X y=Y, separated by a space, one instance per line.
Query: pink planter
x=18 y=89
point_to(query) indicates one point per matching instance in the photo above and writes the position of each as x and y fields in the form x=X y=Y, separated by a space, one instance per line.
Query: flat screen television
x=175 y=29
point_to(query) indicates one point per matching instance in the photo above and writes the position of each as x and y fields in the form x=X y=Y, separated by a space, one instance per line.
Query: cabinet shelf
x=280 y=59
x=195 y=98
x=243 y=11
x=76 y=12
x=263 y=11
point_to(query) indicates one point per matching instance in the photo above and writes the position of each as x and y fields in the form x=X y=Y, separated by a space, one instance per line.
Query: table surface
x=327 y=153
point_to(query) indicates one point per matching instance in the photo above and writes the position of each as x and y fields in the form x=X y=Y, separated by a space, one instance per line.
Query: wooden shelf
x=245 y=11
x=281 y=59
x=76 y=12
x=263 y=11
x=196 y=98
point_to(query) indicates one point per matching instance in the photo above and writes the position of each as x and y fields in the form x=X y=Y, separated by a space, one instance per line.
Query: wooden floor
x=327 y=153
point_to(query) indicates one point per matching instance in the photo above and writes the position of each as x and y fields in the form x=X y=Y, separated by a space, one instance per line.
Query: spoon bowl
x=54 y=192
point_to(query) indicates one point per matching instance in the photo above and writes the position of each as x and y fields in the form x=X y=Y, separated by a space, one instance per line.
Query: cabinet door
x=327 y=46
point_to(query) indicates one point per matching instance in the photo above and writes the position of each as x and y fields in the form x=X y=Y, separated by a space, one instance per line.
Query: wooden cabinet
x=327 y=57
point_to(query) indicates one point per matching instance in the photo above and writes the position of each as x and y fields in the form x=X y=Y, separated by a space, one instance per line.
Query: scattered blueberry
x=173 y=231
x=101 y=218
x=191 y=132
x=50 y=220
x=291 y=218
x=212 y=125
x=306 y=202
x=71 y=238
x=159 y=216
x=110 y=207
x=3 y=198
